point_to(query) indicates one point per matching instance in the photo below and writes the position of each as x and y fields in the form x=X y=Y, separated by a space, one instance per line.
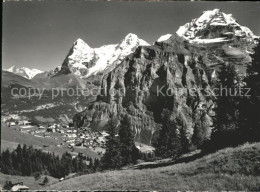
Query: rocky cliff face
x=164 y=76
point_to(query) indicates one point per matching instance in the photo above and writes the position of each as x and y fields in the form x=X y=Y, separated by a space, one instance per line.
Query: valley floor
x=228 y=169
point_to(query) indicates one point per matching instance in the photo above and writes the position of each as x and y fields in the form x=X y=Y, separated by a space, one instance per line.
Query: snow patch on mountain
x=24 y=71
x=85 y=61
x=208 y=41
x=164 y=37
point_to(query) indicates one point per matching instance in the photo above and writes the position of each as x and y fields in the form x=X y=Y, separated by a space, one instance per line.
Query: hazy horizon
x=40 y=34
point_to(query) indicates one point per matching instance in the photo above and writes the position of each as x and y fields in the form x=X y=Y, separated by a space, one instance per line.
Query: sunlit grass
x=227 y=169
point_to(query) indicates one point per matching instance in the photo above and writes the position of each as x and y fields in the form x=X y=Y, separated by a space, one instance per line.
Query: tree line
x=27 y=161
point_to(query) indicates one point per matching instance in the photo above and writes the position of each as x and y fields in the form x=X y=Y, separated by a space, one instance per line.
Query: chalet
x=19 y=187
x=12 y=123
x=61 y=179
x=87 y=162
x=52 y=126
x=14 y=116
x=61 y=131
x=24 y=122
x=39 y=131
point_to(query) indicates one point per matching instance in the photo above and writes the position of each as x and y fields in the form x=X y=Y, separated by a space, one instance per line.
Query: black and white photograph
x=139 y=95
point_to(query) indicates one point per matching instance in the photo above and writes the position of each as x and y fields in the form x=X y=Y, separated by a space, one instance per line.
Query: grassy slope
x=228 y=169
x=28 y=181
x=12 y=135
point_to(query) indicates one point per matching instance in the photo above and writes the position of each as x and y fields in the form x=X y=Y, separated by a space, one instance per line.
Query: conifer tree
x=168 y=143
x=6 y=162
x=46 y=180
x=8 y=185
x=96 y=165
x=128 y=150
x=250 y=108
x=225 y=121
x=202 y=131
x=112 y=158
x=35 y=161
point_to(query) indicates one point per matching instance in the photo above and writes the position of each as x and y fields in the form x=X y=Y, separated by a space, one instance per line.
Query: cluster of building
x=69 y=136
x=84 y=137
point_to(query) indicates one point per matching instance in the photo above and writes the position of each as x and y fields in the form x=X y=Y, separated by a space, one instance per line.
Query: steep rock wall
x=152 y=79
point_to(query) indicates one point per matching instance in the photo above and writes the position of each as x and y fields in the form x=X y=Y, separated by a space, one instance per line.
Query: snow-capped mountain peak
x=216 y=26
x=132 y=40
x=80 y=44
x=84 y=61
x=24 y=71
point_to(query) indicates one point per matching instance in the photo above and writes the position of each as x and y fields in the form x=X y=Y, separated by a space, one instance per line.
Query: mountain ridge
x=24 y=71
x=84 y=61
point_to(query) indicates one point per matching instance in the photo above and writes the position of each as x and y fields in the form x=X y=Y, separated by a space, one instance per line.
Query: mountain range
x=24 y=71
x=212 y=26
x=188 y=59
x=84 y=61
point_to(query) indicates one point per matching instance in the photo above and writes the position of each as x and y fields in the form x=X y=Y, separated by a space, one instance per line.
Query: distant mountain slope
x=227 y=169
x=44 y=80
x=9 y=78
x=24 y=71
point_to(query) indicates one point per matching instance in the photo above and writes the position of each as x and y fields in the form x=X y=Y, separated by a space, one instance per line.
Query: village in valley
x=66 y=135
